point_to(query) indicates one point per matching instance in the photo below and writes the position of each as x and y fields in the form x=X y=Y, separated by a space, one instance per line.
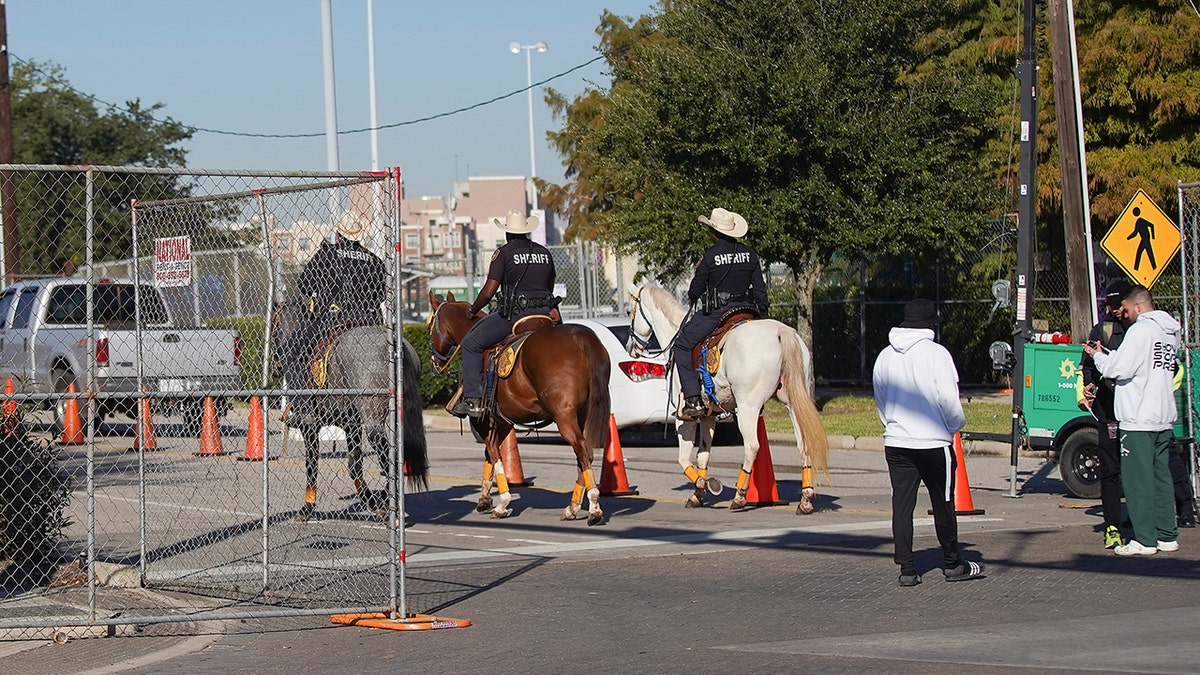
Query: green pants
x=1149 y=492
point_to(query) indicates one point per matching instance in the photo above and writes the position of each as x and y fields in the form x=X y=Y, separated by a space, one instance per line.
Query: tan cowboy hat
x=726 y=222
x=516 y=223
x=352 y=226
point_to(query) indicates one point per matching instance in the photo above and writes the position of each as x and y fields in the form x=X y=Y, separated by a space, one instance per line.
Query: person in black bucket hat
x=916 y=396
x=920 y=313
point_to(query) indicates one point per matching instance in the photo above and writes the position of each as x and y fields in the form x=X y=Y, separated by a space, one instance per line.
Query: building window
x=410 y=241
x=435 y=243
x=305 y=244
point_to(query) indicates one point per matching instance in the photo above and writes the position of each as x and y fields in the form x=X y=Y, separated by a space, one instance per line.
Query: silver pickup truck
x=44 y=347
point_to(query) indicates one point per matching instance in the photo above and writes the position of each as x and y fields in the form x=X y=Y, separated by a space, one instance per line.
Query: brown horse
x=561 y=374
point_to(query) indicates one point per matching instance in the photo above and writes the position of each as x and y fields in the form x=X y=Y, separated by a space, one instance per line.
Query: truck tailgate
x=198 y=354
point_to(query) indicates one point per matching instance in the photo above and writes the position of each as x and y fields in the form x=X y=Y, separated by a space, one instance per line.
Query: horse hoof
x=805 y=508
x=694 y=502
x=713 y=486
x=483 y=506
x=737 y=504
x=497 y=513
x=595 y=518
x=305 y=512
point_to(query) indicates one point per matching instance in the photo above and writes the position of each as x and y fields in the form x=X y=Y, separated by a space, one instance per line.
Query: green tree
x=833 y=127
x=1140 y=88
x=54 y=124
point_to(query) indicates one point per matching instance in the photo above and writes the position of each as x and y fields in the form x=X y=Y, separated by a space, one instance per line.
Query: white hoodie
x=916 y=391
x=1144 y=368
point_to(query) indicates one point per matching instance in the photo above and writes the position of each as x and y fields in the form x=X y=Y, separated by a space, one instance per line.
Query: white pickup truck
x=44 y=347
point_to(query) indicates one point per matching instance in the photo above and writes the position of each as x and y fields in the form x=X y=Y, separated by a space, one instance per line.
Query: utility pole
x=1079 y=290
x=8 y=211
x=1027 y=72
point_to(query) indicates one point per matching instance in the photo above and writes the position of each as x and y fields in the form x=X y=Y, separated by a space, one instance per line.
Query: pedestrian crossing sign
x=1143 y=241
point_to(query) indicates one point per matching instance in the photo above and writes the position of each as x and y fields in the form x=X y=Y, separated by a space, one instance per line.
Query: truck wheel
x=1079 y=463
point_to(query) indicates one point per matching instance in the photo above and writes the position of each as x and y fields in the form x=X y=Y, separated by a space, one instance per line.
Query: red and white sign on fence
x=172 y=262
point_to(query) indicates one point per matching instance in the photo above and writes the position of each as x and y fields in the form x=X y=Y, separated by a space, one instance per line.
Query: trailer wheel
x=1079 y=462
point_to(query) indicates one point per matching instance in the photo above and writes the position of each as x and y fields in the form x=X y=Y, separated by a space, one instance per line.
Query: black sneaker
x=908 y=580
x=966 y=570
x=1186 y=519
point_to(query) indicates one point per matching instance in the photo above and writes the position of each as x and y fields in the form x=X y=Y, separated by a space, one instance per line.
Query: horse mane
x=666 y=303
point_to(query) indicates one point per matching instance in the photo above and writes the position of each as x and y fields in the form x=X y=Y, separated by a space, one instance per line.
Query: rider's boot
x=693 y=408
x=468 y=406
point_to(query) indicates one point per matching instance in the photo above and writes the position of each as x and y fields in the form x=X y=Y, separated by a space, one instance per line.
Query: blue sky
x=255 y=66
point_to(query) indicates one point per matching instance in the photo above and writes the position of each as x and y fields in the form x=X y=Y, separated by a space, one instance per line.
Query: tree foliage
x=1139 y=70
x=833 y=127
x=54 y=124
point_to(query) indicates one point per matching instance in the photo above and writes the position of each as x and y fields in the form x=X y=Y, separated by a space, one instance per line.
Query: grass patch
x=848 y=415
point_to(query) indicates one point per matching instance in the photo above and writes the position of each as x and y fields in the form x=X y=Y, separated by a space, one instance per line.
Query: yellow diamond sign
x=1143 y=241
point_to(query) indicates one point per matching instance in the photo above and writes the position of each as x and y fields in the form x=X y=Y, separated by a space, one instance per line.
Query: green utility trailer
x=1055 y=422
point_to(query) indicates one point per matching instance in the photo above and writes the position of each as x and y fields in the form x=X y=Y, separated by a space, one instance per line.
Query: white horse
x=758 y=360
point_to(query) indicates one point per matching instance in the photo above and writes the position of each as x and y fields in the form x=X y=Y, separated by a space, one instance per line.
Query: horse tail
x=595 y=426
x=416 y=452
x=810 y=433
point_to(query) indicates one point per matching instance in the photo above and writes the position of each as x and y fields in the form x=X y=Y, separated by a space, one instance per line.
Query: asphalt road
x=661 y=588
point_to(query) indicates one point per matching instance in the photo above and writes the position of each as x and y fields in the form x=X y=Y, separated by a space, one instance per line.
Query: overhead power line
x=243 y=134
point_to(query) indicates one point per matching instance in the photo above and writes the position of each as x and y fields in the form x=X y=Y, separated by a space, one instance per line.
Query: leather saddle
x=711 y=345
x=502 y=356
x=318 y=366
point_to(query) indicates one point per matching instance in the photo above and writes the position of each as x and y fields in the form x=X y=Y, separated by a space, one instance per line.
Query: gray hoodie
x=1144 y=368
x=916 y=391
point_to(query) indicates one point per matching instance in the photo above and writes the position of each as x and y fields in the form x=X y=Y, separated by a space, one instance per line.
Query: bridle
x=441 y=360
x=642 y=343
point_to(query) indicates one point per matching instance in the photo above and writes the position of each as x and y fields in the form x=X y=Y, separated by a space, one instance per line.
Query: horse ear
x=433 y=300
x=631 y=289
x=449 y=296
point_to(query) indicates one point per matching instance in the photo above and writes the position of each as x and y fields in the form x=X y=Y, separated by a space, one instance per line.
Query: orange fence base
x=413 y=622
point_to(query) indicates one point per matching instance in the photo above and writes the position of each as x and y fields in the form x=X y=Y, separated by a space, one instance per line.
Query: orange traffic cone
x=10 y=406
x=963 y=505
x=72 y=431
x=210 y=431
x=512 y=461
x=613 y=481
x=762 y=490
x=254 y=433
x=143 y=436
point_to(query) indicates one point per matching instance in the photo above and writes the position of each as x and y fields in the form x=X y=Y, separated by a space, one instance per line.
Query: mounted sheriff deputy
x=729 y=275
x=521 y=280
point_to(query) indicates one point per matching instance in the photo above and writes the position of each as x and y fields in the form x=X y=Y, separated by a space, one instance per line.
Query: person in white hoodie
x=1144 y=401
x=916 y=396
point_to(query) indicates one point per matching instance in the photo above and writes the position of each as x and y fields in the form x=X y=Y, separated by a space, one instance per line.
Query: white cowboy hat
x=726 y=222
x=352 y=226
x=516 y=223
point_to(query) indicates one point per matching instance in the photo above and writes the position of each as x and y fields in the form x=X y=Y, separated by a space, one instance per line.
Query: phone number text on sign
x=172 y=262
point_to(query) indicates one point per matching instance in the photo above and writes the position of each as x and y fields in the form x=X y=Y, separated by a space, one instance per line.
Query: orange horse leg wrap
x=577 y=494
x=487 y=470
x=310 y=494
x=806 y=477
x=704 y=473
x=588 y=481
x=501 y=483
x=692 y=474
x=743 y=479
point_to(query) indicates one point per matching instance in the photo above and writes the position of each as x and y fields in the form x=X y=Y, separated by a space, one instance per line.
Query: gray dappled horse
x=360 y=358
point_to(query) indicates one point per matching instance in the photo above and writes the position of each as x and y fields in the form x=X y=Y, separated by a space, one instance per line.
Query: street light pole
x=516 y=48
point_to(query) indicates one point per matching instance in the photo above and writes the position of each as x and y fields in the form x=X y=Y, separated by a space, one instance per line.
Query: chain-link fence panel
x=149 y=342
